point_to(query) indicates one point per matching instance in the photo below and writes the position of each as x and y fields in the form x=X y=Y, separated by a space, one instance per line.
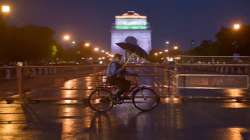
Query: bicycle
x=103 y=98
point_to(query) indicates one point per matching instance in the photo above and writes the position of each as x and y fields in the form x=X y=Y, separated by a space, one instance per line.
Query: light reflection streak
x=88 y=116
x=68 y=126
x=71 y=125
x=89 y=84
x=235 y=105
x=70 y=101
x=233 y=133
x=69 y=93
x=171 y=100
x=234 y=92
x=6 y=126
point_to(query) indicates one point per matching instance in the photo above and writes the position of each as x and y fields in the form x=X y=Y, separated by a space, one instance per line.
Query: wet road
x=173 y=121
x=74 y=120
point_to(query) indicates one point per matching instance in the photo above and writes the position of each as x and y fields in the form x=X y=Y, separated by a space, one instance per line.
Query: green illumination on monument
x=130 y=27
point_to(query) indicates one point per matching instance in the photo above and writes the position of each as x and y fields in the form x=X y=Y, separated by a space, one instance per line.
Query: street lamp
x=176 y=47
x=66 y=37
x=96 y=49
x=236 y=26
x=73 y=43
x=166 y=50
x=5 y=9
x=167 y=42
x=87 y=44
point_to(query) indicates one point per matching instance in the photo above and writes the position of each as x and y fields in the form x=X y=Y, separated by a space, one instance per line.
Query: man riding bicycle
x=116 y=75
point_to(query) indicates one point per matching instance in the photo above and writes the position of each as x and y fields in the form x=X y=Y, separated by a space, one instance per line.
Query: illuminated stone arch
x=131 y=26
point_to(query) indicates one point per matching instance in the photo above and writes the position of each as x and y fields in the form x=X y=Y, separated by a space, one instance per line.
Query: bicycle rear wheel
x=145 y=99
x=101 y=100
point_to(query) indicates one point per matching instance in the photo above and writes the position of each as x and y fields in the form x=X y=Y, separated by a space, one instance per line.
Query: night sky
x=174 y=20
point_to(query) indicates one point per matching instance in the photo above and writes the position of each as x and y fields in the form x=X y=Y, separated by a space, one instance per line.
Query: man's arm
x=112 y=69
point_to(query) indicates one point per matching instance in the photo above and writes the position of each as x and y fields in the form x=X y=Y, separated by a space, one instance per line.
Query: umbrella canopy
x=133 y=49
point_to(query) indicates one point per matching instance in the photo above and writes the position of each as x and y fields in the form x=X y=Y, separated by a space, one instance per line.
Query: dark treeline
x=36 y=45
x=33 y=44
x=228 y=42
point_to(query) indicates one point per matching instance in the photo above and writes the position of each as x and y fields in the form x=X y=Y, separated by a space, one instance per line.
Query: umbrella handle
x=127 y=61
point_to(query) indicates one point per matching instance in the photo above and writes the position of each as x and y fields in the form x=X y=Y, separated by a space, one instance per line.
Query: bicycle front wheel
x=101 y=100
x=145 y=99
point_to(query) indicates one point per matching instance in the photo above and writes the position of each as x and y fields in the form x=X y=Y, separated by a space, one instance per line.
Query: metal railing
x=44 y=81
x=38 y=80
x=214 y=60
x=213 y=72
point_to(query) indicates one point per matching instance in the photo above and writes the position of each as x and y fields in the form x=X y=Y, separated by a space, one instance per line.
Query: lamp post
x=236 y=26
x=96 y=49
x=87 y=44
x=66 y=37
x=167 y=43
x=5 y=9
x=176 y=48
x=5 y=12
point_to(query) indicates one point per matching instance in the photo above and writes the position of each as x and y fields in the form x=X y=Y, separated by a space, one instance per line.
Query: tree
x=227 y=43
x=207 y=47
x=29 y=43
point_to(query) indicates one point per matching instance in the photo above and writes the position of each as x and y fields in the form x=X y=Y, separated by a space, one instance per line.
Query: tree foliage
x=28 y=43
x=227 y=43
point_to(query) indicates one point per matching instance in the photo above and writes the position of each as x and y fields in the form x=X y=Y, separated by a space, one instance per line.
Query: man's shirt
x=115 y=70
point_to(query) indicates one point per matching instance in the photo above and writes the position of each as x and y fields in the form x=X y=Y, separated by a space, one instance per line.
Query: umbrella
x=133 y=48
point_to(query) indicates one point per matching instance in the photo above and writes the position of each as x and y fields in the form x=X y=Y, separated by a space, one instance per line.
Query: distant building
x=132 y=28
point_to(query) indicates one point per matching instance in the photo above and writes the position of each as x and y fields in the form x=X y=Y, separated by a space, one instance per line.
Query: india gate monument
x=133 y=28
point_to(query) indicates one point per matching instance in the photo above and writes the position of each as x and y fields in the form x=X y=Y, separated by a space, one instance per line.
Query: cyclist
x=116 y=75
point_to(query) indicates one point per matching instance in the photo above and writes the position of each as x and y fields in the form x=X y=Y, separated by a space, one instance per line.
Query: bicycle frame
x=132 y=94
x=134 y=86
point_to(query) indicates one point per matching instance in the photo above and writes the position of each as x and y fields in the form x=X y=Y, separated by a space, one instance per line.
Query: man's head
x=117 y=57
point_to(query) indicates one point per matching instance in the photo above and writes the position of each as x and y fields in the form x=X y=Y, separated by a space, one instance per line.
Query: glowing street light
x=5 y=9
x=87 y=44
x=96 y=49
x=156 y=54
x=166 y=50
x=103 y=51
x=66 y=37
x=176 y=47
x=160 y=52
x=236 y=26
x=167 y=42
x=73 y=42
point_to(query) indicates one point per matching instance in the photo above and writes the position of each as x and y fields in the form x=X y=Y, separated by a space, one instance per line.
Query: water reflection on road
x=172 y=120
